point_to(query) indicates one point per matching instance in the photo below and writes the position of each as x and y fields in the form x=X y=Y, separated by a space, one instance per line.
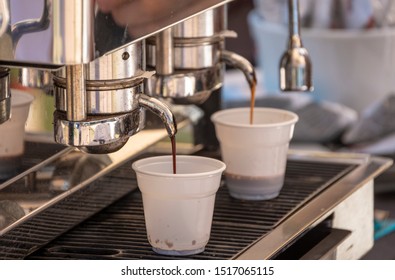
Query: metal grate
x=118 y=232
x=64 y=215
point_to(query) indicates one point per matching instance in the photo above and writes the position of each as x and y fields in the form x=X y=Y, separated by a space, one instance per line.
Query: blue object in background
x=383 y=228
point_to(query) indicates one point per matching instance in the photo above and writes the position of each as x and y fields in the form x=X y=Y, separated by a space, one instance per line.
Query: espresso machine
x=105 y=73
x=109 y=64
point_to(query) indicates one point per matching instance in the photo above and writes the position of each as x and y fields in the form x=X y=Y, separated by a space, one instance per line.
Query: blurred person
x=120 y=21
x=142 y=16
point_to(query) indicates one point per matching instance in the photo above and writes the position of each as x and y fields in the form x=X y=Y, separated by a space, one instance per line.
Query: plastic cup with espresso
x=255 y=154
x=178 y=208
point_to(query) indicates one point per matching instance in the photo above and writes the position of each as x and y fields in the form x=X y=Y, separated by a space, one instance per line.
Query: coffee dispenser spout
x=161 y=110
x=242 y=64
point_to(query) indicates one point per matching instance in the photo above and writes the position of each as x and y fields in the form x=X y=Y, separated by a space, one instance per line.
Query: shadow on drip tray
x=34 y=153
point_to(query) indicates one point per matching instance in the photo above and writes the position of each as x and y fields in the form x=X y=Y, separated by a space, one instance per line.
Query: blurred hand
x=138 y=13
x=144 y=16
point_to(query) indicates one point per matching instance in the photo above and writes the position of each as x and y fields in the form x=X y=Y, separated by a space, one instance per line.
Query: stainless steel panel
x=207 y=24
x=74 y=31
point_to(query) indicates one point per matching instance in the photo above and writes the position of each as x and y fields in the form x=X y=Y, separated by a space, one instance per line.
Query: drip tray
x=118 y=232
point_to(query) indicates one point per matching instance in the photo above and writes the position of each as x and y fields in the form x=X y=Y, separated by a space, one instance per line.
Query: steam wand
x=295 y=64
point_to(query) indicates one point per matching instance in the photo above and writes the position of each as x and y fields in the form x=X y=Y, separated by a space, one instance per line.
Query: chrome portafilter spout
x=295 y=64
x=241 y=63
x=5 y=95
x=162 y=111
x=101 y=104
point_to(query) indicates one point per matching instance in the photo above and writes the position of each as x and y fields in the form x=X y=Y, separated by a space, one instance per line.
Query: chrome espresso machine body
x=107 y=66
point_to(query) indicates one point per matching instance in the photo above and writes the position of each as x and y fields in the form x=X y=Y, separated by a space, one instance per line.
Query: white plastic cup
x=12 y=140
x=255 y=155
x=178 y=208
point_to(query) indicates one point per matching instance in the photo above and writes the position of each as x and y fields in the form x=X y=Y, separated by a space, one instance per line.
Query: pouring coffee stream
x=252 y=102
x=174 y=151
x=247 y=69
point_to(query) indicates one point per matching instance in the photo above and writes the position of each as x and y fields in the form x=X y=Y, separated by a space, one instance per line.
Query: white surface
x=178 y=208
x=356 y=214
x=13 y=131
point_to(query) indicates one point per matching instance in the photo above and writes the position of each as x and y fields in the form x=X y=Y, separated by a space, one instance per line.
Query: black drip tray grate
x=118 y=232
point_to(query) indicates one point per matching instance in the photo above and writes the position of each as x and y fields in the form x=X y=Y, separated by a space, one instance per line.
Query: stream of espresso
x=252 y=102
x=173 y=150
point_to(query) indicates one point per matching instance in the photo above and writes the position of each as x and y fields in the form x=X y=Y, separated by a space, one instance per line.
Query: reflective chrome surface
x=4 y=83
x=77 y=31
x=187 y=87
x=5 y=95
x=207 y=24
x=189 y=58
x=241 y=63
x=295 y=64
x=100 y=134
x=121 y=64
x=164 y=52
x=34 y=78
x=109 y=132
x=196 y=42
x=99 y=103
x=5 y=110
x=161 y=110
x=192 y=55
x=111 y=82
